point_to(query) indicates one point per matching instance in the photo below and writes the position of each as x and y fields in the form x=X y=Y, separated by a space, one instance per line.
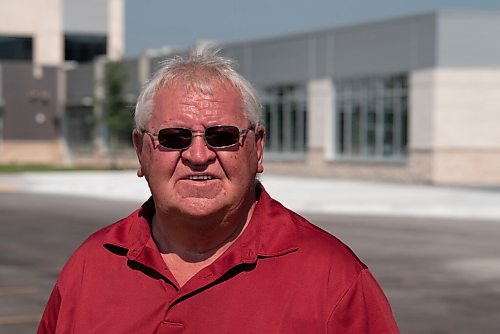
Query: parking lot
x=440 y=274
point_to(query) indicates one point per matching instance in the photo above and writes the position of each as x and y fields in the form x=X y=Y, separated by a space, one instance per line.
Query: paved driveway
x=441 y=275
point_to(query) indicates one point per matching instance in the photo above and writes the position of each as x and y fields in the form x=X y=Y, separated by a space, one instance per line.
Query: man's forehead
x=178 y=102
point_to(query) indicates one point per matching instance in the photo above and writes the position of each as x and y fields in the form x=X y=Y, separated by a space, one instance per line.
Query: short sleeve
x=363 y=309
x=48 y=322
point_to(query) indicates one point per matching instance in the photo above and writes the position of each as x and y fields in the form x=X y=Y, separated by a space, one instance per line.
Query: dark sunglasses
x=216 y=137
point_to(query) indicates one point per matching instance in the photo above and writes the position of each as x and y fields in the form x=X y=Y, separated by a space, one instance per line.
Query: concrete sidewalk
x=305 y=195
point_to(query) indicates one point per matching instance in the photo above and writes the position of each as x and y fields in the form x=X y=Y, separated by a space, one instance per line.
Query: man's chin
x=197 y=196
x=206 y=190
x=195 y=206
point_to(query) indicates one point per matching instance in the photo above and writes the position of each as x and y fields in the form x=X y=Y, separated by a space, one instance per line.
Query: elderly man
x=210 y=251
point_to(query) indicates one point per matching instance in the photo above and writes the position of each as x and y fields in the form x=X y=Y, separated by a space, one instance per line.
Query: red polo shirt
x=282 y=275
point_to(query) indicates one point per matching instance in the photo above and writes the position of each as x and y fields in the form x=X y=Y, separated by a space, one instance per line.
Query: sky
x=153 y=24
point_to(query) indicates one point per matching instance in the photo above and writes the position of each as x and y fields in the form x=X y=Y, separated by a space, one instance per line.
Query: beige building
x=49 y=28
x=39 y=40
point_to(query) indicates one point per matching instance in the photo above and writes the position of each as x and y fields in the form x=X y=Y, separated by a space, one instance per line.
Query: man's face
x=178 y=179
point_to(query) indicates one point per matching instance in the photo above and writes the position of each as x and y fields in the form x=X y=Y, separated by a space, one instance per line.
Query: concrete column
x=61 y=117
x=144 y=68
x=99 y=95
x=116 y=38
x=48 y=45
x=421 y=108
x=320 y=96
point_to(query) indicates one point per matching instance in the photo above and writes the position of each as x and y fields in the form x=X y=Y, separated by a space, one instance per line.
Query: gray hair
x=201 y=70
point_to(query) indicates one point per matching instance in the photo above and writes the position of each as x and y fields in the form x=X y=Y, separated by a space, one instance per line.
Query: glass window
x=269 y=124
x=80 y=128
x=83 y=48
x=371 y=128
x=285 y=118
x=16 y=48
x=293 y=126
x=341 y=129
x=1 y=121
x=356 y=129
x=372 y=117
x=404 y=124
x=388 y=133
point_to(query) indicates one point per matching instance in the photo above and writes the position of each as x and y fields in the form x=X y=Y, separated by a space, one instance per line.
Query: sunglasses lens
x=222 y=136
x=175 y=138
x=216 y=136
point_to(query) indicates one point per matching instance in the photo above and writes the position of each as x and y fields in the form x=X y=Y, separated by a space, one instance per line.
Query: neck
x=198 y=239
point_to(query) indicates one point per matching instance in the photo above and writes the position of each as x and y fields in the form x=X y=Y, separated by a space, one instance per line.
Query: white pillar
x=320 y=112
x=48 y=45
x=99 y=95
x=116 y=40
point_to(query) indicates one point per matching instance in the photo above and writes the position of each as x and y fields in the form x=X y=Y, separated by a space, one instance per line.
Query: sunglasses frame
x=241 y=132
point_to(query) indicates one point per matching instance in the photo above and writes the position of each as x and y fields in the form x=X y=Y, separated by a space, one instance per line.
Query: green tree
x=117 y=113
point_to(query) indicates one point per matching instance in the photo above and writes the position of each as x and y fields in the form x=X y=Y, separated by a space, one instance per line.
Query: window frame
x=286 y=137
x=387 y=98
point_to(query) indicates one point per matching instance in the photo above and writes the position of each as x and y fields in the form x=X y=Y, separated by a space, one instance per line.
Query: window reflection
x=372 y=117
x=285 y=118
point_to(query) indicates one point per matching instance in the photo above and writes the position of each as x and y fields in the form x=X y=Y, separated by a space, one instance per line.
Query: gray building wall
x=439 y=39
x=468 y=39
x=385 y=47
x=85 y=17
x=133 y=84
x=30 y=104
x=82 y=81
x=395 y=46
x=80 y=84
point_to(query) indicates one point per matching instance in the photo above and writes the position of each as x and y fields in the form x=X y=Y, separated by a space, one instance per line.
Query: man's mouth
x=200 y=177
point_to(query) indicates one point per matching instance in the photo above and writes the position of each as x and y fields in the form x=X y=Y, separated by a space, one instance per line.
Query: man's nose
x=198 y=153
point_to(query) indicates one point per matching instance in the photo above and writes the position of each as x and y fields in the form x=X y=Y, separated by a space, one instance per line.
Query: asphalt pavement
x=440 y=275
x=434 y=249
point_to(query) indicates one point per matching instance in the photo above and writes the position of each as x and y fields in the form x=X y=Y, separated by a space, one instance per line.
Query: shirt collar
x=133 y=231
x=270 y=232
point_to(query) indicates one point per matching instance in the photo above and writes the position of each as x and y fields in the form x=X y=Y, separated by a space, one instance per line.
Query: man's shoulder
x=95 y=245
x=102 y=236
x=322 y=244
x=326 y=260
x=313 y=243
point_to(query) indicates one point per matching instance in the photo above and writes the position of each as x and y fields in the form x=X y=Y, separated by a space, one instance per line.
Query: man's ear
x=260 y=141
x=137 y=139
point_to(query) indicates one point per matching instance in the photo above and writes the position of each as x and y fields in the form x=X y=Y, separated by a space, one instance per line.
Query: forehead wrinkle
x=202 y=101
x=206 y=105
x=190 y=101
